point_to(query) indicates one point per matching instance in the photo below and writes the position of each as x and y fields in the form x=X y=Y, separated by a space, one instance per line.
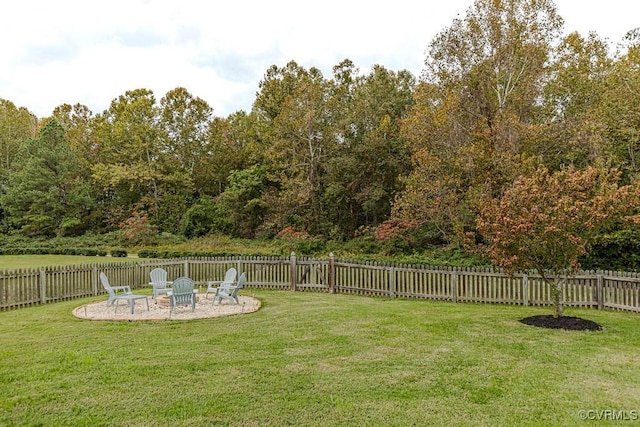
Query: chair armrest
x=226 y=290
x=226 y=287
x=166 y=284
x=124 y=289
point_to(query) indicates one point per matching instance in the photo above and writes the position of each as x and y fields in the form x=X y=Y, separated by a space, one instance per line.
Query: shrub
x=204 y=217
x=88 y=252
x=362 y=245
x=619 y=250
x=291 y=233
x=137 y=230
x=147 y=253
x=399 y=238
x=308 y=247
x=119 y=253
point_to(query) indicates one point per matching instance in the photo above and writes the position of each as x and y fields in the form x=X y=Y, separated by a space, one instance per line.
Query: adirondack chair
x=159 y=282
x=182 y=293
x=121 y=293
x=230 y=293
x=229 y=278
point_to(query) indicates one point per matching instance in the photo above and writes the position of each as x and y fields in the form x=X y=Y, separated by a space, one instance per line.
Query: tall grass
x=316 y=359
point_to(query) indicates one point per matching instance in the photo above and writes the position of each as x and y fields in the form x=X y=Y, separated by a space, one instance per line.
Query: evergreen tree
x=46 y=196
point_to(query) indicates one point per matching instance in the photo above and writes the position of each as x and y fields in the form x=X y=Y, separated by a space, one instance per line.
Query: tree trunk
x=556 y=295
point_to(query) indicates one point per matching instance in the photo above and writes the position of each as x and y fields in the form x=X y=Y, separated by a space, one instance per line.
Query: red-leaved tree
x=546 y=221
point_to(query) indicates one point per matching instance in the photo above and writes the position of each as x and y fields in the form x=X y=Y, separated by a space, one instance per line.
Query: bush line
x=53 y=251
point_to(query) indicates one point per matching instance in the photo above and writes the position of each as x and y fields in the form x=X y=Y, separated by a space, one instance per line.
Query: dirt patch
x=563 y=322
x=158 y=311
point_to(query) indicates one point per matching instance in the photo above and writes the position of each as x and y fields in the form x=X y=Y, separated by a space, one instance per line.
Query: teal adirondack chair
x=120 y=293
x=159 y=281
x=230 y=293
x=182 y=293
x=229 y=278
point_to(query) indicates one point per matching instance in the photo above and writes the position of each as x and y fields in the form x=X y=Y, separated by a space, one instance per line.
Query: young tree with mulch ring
x=546 y=221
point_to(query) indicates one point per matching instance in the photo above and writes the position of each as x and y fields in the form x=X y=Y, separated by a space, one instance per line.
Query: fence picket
x=600 y=289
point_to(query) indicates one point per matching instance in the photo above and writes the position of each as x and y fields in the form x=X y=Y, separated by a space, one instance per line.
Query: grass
x=11 y=262
x=316 y=359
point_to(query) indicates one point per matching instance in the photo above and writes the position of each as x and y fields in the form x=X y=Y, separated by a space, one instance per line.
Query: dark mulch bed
x=563 y=322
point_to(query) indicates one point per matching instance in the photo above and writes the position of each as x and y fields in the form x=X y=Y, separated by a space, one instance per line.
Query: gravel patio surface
x=158 y=311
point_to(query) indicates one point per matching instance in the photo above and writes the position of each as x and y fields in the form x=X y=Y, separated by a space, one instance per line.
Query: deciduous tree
x=293 y=104
x=77 y=123
x=477 y=102
x=621 y=110
x=185 y=120
x=127 y=169
x=363 y=171
x=546 y=221
x=572 y=127
x=17 y=125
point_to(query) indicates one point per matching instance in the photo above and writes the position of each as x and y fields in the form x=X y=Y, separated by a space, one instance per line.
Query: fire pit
x=163 y=301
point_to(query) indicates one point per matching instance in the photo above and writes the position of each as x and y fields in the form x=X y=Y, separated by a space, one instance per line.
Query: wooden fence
x=598 y=289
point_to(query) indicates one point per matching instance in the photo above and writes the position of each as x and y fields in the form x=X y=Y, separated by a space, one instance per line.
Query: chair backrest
x=182 y=290
x=241 y=281
x=106 y=285
x=158 y=277
x=230 y=276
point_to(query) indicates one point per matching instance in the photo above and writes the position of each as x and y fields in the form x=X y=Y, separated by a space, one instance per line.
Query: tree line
x=381 y=153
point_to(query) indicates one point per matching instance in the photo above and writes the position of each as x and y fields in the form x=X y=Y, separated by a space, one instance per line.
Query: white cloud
x=71 y=51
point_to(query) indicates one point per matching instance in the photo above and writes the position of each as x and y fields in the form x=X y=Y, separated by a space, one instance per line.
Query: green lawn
x=310 y=359
x=10 y=262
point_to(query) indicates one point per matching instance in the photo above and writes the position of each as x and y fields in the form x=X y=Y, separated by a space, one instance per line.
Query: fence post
x=136 y=275
x=43 y=287
x=392 y=282
x=94 y=279
x=599 y=293
x=332 y=273
x=525 y=289
x=186 y=268
x=454 y=285
x=293 y=271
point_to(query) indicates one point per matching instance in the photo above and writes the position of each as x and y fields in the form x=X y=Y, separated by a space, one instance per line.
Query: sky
x=91 y=52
